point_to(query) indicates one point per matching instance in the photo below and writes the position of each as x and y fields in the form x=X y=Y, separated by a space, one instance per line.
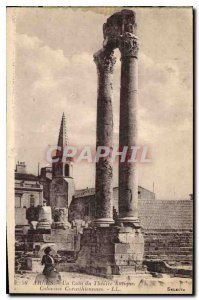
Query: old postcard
x=100 y=155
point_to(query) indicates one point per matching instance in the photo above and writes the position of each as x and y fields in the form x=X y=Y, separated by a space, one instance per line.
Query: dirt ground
x=75 y=283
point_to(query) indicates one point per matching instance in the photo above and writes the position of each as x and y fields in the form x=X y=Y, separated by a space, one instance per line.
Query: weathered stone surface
x=60 y=235
x=170 y=246
x=104 y=170
x=162 y=267
x=119 y=32
x=128 y=179
x=117 y=26
x=20 y=216
x=78 y=225
x=62 y=190
x=45 y=214
x=60 y=239
x=45 y=218
x=34 y=264
x=101 y=253
x=61 y=218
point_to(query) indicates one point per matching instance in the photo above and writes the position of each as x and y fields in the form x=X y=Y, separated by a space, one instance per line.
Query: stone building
x=83 y=203
x=45 y=179
x=28 y=193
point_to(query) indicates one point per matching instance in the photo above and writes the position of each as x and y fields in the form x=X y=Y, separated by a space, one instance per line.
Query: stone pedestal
x=57 y=239
x=45 y=218
x=111 y=251
x=61 y=219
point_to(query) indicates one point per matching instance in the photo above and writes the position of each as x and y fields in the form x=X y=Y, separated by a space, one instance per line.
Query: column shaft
x=104 y=168
x=128 y=177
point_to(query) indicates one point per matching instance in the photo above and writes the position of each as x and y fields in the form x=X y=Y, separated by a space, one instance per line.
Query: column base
x=61 y=225
x=110 y=251
x=129 y=222
x=43 y=225
x=103 y=222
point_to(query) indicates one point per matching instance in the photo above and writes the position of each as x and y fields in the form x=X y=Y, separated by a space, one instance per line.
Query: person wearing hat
x=48 y=262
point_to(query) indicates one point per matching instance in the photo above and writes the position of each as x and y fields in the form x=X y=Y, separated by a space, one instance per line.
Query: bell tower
x=62 y=166
x=62 y=187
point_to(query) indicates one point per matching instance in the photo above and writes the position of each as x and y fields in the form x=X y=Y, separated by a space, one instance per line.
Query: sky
x=55 y=73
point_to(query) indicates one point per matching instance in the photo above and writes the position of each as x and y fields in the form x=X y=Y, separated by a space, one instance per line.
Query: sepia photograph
x=100 y=150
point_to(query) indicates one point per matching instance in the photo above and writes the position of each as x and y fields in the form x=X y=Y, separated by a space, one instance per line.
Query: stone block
x=105 y=248
x=122 y=237
x=126 y=229
x=125 y=270
x=60 y=235
x=20 y=216
x=102 y=252
x=43 y=225
x=34 y=264
x=122 y=259
x=123 y=248
x=65 y=246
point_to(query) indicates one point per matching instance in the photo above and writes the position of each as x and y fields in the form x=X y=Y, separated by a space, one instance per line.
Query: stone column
x=104 y=60
x=120 y=249
x=61 y=218
x=128 y=179
x=45 y=218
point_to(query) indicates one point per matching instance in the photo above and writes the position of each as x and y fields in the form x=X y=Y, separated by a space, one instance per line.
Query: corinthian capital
x=104 y=60
x=128 y=45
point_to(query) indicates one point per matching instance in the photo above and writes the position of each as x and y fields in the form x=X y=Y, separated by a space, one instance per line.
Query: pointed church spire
x=62 y=139
x=62 y=167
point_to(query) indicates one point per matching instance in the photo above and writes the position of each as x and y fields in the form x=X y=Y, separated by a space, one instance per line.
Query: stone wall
x=154 y=214
x=168 y=230
x=171 y=246
x=61 y=192
x=166 y=214
x=46 y=189
x=145 y=194
x=167 y=226
x=81 y=207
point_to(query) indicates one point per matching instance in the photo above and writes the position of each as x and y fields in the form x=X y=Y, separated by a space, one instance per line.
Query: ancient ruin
x=116 y=248
x=107 y=244
x=119 y=32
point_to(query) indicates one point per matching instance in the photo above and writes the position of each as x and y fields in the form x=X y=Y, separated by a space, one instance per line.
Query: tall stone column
x=105 y=61
x=120 y=32
x=128 y=177
x=115 y=250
